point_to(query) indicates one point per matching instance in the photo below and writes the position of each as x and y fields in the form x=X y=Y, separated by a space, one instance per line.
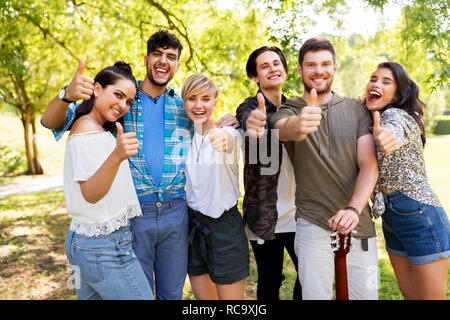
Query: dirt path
x=32 y=185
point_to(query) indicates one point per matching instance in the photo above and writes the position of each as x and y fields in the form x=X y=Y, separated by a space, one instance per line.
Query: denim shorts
x=218 y=247
x=106 y=267
x=415 y=230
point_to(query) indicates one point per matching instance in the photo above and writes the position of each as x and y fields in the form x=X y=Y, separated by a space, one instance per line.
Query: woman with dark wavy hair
x=100 y=194
x=415 y=225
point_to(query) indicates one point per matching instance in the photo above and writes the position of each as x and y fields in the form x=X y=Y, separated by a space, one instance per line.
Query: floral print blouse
x=404 y=169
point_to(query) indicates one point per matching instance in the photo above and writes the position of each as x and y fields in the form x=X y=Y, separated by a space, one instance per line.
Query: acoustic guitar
x=341 y=247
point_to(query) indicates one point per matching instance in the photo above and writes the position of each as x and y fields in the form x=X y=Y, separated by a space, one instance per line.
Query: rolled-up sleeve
x=70 y=116
x=283 y=112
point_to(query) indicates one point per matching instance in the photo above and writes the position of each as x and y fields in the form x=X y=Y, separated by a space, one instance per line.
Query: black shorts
x=218 y=247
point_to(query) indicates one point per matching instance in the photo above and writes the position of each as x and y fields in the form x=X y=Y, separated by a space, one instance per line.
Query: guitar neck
x=341 y=248
x=340 y=271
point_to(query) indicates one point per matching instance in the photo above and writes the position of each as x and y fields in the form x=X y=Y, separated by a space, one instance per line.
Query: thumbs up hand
x=383 y=137
x=220 y=139
x=81 y=87
x=309 y=119
x=126 y=143
x=256 y=122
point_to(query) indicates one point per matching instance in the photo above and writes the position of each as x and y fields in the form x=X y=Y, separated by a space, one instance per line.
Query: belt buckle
x=158 y=204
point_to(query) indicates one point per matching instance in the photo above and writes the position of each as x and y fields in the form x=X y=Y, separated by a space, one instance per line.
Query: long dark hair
x=106 y=77
x=406 y=95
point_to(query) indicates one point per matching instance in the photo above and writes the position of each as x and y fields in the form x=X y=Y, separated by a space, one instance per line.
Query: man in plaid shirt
x=164 y=134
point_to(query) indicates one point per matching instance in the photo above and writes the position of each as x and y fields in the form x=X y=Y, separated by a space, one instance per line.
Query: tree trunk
x=34 y=167
x=37 y=164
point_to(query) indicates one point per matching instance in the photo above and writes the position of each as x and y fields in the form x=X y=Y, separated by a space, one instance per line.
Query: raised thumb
x=81 y=66
x=376 y=120
x=119 y=128
x=261 y=102
x=313 y=97
x=212 y=123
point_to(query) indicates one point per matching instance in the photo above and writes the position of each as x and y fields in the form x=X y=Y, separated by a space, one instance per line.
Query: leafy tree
x=419 y=42
x=424 y=25
x=42 y=41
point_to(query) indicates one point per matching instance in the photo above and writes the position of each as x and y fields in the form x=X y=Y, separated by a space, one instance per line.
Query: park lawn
x=33 y=263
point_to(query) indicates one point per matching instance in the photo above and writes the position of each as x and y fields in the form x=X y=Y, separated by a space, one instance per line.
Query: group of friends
x=152 y=181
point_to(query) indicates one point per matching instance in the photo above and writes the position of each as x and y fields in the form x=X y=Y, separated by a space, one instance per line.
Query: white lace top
x=85 y=153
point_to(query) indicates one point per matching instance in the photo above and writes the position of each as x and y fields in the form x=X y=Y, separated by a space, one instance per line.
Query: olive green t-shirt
x=325 y=162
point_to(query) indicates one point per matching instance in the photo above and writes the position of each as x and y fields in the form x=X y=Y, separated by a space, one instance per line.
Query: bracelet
x=353 y=209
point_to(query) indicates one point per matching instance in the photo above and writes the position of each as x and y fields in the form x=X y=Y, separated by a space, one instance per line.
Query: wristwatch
x=62 y=95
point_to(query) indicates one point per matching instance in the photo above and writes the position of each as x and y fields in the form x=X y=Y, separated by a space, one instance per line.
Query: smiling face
x=380 y=90
x=199 y=106
x=270 y=71
x=317 y=71
x=113 y=101
x=162 y=63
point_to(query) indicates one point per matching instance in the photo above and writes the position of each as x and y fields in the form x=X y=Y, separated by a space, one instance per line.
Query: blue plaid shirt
x=178 y=131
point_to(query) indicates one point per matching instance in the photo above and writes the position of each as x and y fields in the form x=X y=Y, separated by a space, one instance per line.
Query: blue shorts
x=415 y=230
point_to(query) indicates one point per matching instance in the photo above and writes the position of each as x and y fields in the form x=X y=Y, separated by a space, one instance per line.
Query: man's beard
x=319 y=92
x=153 y=81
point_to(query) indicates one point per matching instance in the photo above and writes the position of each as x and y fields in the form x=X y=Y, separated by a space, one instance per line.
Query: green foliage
x=426 y=24
x=41 y=42
x=443 y=126
x=419 y=42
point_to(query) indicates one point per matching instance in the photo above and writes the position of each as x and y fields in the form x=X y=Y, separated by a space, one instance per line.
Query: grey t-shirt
x=325 y=163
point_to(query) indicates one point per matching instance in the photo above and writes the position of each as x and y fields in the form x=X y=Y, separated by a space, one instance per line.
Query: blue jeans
x=161 y=239
x=106 y=267
x=415 y=230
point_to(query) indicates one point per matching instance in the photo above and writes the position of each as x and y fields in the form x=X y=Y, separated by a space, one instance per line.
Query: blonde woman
x=218 y=251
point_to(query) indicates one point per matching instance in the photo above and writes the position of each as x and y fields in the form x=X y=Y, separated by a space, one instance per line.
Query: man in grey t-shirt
x=332 y=151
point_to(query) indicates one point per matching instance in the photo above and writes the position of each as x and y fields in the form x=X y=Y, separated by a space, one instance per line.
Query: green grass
x=32 y=259
x=443 y=126
x=33 y=264
x=437 y=164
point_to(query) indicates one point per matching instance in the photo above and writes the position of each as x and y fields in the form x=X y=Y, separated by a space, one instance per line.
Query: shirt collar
x=269 y=104
x=170 y=91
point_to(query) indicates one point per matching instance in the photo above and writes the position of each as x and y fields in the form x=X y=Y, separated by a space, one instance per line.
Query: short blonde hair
x=196 y=84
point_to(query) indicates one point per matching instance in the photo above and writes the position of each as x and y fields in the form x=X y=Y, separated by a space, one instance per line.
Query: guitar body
x=341 y=248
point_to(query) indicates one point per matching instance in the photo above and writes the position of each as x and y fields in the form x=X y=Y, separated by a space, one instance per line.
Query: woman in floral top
x=415 y=226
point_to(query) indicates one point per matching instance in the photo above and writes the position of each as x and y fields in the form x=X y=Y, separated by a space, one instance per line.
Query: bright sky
x=363 y=20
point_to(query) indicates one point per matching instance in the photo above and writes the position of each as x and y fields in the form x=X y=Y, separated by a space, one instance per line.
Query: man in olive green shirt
x=332 y=151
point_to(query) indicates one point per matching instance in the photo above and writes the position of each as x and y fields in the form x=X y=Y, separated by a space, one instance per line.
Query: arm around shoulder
x=55 y=113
